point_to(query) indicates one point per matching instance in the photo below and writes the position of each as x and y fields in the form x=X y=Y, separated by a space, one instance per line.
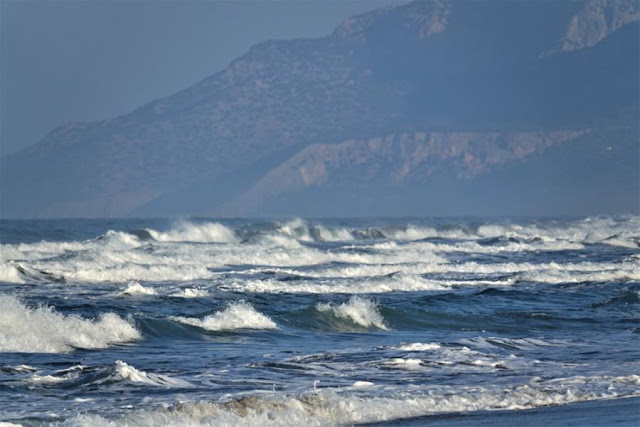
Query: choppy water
x=318 y=322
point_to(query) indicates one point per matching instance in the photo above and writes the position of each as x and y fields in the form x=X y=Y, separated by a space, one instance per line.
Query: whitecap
x=43 y=330
x=135 y=288
x=9 y=273
x=361 y=311
x=237 y=315
x=191 y=293
x=184 y=231
x=122 y=371
x=333 y=234
x=418 y=346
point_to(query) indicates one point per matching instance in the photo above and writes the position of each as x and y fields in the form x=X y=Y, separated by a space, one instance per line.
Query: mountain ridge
x=385 y=72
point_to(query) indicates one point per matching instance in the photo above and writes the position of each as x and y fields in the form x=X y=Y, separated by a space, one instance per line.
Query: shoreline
x=601 y=412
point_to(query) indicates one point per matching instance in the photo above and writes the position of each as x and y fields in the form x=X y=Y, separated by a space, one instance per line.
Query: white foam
x=412 y=232
x=191 y=293
x=42 y=330
x=118 y=257
x=333 y=234
x=361 y=311
x=404 y=282
x=401 y=362
x=19 y=368
x=48 y=379
x=622 y=273
x=125 y=372
x=9 y=273
x=332 y=408
x=237 y=315
x=135 y=288
x=296 y=228
x=520 y=343
x=363 y=384
x=185 y=231
x=418 y=346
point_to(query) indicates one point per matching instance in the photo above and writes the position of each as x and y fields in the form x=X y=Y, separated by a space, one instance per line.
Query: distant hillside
x=430 y=108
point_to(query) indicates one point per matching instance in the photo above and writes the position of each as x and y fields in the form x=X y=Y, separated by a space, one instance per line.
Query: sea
x=315 y=322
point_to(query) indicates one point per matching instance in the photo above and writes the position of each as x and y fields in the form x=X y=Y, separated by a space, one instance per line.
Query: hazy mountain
x=430 y=108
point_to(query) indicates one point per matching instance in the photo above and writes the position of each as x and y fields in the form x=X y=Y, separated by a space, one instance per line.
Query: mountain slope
x=434 y=68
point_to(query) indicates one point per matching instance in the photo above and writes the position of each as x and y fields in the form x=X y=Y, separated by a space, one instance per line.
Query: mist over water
x=322 y=322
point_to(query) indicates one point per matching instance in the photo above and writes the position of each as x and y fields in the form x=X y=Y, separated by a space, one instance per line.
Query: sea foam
x=237 y=315
x=135 y=288
x=330 y=408
x=361 y=311
x=122 y=371
x=185 y=231
x=43 y=330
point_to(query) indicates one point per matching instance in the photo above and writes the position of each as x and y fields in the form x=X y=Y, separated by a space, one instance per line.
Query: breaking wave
x=190 y=293
x=237 y=315
x=418 y=346
x=135 y=288
x=9 y=273
x=198 y=233
x=121 y=371
x=334 y=408
x=361 y=311
x=43 y=330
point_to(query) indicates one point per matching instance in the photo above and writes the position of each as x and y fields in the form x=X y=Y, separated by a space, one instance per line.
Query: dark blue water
x=162 y=322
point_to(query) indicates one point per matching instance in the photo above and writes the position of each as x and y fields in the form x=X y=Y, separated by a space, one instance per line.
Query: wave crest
x=330 y=408
x=185 y=231
x=237 y=315
x=361 y=311
x=43 y=330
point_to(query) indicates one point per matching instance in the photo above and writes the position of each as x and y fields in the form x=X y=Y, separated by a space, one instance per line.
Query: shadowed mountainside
x=430 y=108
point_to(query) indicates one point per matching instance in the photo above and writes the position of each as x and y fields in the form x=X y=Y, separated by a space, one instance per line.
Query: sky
x=67 y=61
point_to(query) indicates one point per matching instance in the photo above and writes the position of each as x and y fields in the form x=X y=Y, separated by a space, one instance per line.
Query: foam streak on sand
x=43 y=330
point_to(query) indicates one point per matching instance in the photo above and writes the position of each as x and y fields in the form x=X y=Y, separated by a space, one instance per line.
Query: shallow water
x=160 y=322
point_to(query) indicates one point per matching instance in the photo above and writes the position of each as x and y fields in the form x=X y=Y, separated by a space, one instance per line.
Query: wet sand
x=615 y=412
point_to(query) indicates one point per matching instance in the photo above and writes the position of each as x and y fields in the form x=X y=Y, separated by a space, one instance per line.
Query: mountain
x=429 y=108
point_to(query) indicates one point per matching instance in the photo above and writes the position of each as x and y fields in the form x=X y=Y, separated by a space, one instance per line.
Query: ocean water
x=316 y=322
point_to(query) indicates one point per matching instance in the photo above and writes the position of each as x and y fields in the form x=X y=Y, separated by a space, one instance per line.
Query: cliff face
x=596 y=20
x=400 y=95
x=396 y=160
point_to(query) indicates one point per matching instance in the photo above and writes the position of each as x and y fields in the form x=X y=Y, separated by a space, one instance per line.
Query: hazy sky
x=65 y=61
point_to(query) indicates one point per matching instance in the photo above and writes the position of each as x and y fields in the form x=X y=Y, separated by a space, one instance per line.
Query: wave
x=122 y=372
x=621 y=274
x=627 y=298
x=237 y=315
x=513 y=343
x=9 y=273
x=135 y=288
x=329 y=407
x=43 y=330
x=119 y=372
x=185 y=231
x=418 y=346
x=190 y=293
x=299 y=229
x=361 y=311
x=168 y=256
x=390 y=283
